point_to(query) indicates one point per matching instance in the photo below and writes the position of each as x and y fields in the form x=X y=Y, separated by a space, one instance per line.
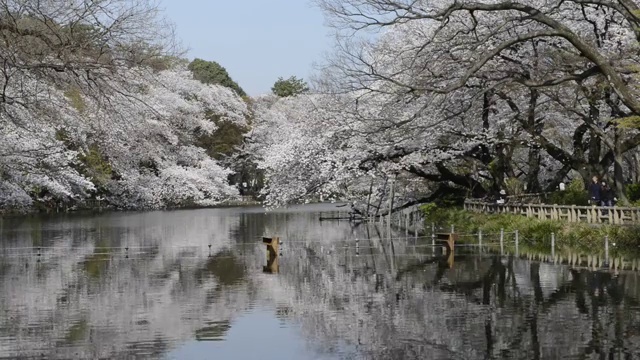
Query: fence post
x=553 y=245
x=501 y=241
x=480 y=240
x=517 y=244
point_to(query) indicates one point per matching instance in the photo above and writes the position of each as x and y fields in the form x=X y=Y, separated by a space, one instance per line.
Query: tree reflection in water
x=85 y=296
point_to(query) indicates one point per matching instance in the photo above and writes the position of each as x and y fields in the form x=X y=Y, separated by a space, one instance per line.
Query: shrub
x=633 y=192
x=514 y=186
x=574 y=194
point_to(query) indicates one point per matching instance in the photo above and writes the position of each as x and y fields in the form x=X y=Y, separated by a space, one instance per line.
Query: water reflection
x=190 y=284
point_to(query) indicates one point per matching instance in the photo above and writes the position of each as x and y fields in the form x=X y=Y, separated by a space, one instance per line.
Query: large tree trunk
x=636 y=166
x=617 y=171
x=535 y=128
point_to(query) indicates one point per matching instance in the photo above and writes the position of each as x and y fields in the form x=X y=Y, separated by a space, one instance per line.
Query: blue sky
x=255 y=40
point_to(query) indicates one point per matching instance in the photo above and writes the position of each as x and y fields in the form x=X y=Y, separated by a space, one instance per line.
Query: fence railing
x=410 y=220
x=571 y=213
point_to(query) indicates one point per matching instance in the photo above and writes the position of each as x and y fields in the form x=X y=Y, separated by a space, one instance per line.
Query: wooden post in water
x=479 y=240
x=453 y=229
x=273 y=245
x=501 y=241
x=448 y=240
x=433 y=238
x=553 y=245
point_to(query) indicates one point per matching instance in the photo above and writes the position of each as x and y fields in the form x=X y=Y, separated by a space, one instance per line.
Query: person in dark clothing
x=595 y=192
x=606 y=195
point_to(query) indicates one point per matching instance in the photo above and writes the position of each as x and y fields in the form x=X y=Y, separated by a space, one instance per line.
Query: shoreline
x=95 y=210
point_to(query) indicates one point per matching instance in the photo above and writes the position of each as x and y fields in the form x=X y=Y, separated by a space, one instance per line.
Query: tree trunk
x=535 y=128
x=617 y=171
x=636 y=167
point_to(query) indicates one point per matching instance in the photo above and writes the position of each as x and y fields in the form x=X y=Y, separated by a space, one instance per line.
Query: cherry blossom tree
x=150 y=141
x=146 y=137
x=463 y=95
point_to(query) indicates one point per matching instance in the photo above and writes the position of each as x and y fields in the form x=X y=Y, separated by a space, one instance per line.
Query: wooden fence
x=410 y=219
x=571 y=213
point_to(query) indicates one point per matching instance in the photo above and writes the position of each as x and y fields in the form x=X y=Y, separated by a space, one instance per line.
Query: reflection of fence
x=573 y=213
x=410 y=219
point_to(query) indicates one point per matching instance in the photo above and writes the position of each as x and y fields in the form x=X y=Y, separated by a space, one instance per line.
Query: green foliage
x=96 y=166
x=224 y=140
x=228 y=136
x=576 y=185
x=289 y=87
x=514 y=186
x=574 y=194
x=210 y=72
x=451 y=199
x=633 y=192
x=630 y=122
x=429 y=209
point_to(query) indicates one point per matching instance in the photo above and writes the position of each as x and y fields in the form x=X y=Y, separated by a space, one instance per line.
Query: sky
x=257 y=41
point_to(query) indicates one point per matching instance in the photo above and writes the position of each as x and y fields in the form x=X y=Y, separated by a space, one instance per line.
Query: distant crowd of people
x=600 y=194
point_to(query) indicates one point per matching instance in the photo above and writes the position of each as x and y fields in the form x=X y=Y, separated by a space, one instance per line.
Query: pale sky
x=255 y=40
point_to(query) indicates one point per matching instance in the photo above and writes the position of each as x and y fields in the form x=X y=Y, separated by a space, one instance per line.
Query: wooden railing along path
x=571 y=213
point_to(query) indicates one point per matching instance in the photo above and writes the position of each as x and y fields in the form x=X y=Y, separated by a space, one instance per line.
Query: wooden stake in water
x=553 y=245
x=453 y=229
x=433 y=237
x=480 y=240
x=501 y=241
x=517 y=236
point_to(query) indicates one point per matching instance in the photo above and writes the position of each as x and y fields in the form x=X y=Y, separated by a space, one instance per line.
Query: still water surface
x=190 y=284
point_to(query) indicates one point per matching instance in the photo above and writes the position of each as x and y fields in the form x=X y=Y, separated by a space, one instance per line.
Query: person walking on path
x=595 y=190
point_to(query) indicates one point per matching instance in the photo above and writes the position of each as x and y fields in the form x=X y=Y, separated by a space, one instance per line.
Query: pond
x=190 y=284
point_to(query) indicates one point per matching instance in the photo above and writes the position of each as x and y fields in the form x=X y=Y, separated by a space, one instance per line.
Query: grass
x=535 y=234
